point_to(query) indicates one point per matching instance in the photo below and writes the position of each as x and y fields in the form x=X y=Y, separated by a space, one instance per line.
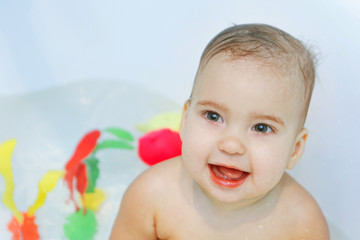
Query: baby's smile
x=228 y=177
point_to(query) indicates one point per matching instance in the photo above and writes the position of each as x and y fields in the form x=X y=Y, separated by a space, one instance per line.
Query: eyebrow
x=269 y=117
x=214 y=105
x=254 y=116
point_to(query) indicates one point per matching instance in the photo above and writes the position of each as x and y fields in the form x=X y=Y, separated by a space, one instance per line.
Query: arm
x=136 y=219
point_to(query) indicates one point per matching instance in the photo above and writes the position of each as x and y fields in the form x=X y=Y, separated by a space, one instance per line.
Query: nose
x=232 y=145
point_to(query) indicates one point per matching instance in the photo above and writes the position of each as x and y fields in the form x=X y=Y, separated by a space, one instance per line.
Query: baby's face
x=240 y=131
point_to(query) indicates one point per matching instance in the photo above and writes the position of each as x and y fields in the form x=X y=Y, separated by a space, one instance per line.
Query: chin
x=224 y=196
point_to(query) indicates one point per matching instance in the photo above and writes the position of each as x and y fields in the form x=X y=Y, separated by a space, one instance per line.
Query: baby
x=241 y=129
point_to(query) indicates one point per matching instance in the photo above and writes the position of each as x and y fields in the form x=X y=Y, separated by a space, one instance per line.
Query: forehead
x=234 y=68
x=226 y=78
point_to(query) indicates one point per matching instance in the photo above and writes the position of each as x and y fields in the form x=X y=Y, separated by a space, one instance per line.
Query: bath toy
x=76 y=169
x=46 y=185
x=170 y=120
x=81 y=226
x=27 y=230
x=93 y=173
x=94 y=199
x=36 y=194
x=82 y=168
x=159 y=145
x=81 y=172
x=22 y=225
x=162 y=139
x=120 y=133
x=6 y=150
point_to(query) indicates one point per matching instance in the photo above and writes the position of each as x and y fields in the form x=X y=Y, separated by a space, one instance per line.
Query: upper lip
x=227 y=166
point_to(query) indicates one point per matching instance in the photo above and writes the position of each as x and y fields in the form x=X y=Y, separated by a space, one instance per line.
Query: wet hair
x=269 y=45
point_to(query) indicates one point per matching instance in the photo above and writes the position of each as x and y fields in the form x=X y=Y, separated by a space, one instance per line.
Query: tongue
x=230 y=172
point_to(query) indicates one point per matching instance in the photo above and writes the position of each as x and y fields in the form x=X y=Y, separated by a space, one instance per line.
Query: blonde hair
x=270 y=45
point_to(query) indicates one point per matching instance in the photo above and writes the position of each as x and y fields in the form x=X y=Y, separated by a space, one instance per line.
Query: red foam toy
x=86 y=145
x=159 y=145
x=26 y=231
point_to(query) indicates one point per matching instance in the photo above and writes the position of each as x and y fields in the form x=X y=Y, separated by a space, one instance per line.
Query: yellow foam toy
x=93 y=200
x=47 y=184
x=165 y=120
x=6 y=150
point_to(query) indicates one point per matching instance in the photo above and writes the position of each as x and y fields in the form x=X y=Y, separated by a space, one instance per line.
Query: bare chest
x=183 y=223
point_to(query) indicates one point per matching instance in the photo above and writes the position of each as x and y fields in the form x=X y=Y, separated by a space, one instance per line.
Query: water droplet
x=260 y=226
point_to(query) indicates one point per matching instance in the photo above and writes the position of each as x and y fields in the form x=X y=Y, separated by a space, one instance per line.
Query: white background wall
x=158 y=44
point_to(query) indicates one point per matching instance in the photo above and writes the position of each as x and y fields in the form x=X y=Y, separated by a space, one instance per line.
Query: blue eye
x=213 y=116
x=262 y=128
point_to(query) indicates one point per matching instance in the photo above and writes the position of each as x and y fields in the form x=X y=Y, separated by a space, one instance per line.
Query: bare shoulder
x=304 y=212
x=139 y=206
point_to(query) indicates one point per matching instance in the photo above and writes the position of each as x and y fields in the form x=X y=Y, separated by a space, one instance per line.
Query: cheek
x=194 y=144
x=194 y=159
x=194 y=135
x=269 y=163
x=197 y=144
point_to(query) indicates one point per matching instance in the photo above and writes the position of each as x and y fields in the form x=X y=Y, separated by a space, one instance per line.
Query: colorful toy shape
x=170 y=120
x=82 y=168
x=161 y=142
x=159 y=145
x=76 y=169
x=27 y=230
x=81 y=226
x=46 y=185
x=22 y=225
x=6 y=150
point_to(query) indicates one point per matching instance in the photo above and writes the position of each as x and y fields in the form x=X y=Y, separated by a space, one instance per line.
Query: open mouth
x=226 y=176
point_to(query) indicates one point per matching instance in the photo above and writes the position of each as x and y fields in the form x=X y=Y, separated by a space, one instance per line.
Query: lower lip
x=225 y=182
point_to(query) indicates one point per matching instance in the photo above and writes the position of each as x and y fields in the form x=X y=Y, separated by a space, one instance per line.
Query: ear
x=298 y=148
x=183 y=118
